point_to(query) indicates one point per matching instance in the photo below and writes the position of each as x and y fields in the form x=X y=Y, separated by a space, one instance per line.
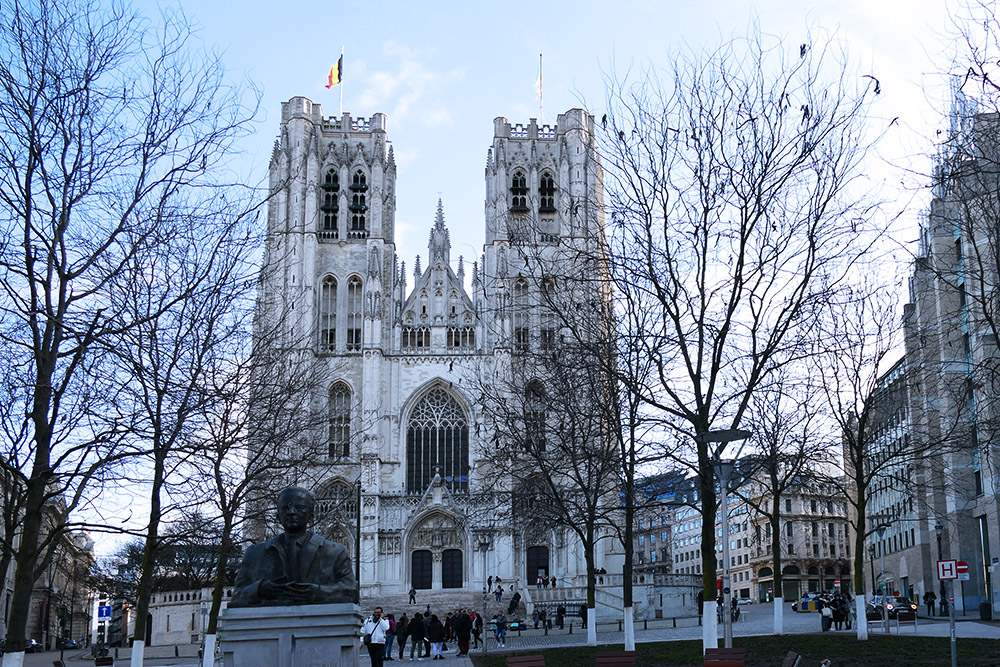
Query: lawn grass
x=843 y=650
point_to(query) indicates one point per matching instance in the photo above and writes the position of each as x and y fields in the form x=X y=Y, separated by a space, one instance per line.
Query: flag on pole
x=336 y=73
x=538 y=81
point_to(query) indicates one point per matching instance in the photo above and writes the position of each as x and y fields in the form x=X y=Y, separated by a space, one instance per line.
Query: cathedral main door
x=451 y=568
x=421 y=569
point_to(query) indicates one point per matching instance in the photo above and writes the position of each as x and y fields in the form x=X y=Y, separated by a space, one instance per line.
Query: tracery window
x=416 y=338
x=340 y=421
x=354 y=318
x=359 y=206
x=521 y=316
x=534 y=416
x=461 y=337
x=546 y=194
x=437 y=439
x=519 y=193
x=328 y=315
x=329 y=205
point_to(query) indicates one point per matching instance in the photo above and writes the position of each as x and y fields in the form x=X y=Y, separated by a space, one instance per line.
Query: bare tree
x=106 y=125
x=732 y=184
x=788 y=445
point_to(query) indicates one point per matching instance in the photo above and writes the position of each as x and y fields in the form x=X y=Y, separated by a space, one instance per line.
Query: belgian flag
x=336 y=73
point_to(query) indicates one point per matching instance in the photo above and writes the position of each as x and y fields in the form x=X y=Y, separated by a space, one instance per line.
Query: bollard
x=645 y=624
x=571 y=627
x=619 y=625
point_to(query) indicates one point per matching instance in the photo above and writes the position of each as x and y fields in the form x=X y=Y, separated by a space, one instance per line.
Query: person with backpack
x=373 y=632
x=416 y=630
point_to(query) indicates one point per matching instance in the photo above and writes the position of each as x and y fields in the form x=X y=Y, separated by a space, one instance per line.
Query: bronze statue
x=296 y=567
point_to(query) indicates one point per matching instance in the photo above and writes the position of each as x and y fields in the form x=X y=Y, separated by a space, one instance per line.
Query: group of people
x=427 y=634
x=543 y=582
x=835 y=611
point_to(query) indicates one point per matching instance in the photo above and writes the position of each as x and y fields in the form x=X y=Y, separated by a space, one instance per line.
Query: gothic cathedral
x=400 y=363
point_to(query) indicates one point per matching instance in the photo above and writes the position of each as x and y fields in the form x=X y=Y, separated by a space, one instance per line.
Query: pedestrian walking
x=463 y=632
x=477 y=629
x=435 y=635
x=402 y=634
x=499 y=593
x=373 y=632
x=389 y=636
x=500 y=622
x=416 y=629
x=930 y=597
x=560 y=616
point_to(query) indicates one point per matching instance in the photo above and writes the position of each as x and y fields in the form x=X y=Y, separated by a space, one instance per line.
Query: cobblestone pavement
x=757 y=620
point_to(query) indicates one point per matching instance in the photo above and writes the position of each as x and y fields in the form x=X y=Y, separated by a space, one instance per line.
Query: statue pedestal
x=311 y=635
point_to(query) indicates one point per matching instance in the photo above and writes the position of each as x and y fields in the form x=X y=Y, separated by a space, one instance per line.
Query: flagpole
x=341 y=83
x=541 y=96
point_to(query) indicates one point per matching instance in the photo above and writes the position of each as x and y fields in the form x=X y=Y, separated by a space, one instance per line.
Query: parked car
x=744 y=601
x=71 y=644
x=32 y=646
x=893 y=604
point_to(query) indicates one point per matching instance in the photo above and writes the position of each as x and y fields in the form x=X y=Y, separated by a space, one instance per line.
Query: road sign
x=947 y=569
x=104 y=611
x=963 y=570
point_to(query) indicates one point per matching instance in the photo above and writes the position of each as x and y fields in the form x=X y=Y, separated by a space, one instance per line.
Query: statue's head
x=295 y=509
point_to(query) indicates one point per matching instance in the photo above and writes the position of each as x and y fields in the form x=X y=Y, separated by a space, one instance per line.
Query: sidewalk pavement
x=756 y=620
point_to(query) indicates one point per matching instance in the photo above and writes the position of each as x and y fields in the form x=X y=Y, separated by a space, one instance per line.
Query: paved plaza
x=757 y=620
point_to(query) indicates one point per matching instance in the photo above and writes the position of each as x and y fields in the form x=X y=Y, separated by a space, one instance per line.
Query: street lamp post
x=357 y=540
x=871 y=562
x=938 y=528
x=724 y=469
x=483 y=546
x=881 y=548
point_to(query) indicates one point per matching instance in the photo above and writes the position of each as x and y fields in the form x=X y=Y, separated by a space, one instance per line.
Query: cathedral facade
x=404 y=430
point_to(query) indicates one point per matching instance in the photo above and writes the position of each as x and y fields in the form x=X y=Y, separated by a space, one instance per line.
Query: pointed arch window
x=519 y=193
x=547 y=194
x=534 y=416
x=359 y=206
x=437 y=440
x=521 y=316
x=328 y=315
x=354 y=318
x=329 y=205
x=340 y=421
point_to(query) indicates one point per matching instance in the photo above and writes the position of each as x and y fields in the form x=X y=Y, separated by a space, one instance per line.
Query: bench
x=873 y=617
x=526 y=661
x=725 y=657
x=793 y=659
x=905 y=618
x=616 y=659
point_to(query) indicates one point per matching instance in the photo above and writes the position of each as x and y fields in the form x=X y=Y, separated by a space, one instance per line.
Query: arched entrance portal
x=421 y=570
x=538 y=564
x=436 y=545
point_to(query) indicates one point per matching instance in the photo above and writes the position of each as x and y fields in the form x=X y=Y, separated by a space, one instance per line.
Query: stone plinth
x=314 y=635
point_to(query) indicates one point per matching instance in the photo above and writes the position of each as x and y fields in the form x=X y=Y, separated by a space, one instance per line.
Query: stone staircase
x=440 y=602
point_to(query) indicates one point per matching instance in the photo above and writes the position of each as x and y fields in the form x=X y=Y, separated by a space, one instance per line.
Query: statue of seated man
x=296 y=567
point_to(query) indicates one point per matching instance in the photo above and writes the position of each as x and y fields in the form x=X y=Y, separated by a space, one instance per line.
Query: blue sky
x=443 y=70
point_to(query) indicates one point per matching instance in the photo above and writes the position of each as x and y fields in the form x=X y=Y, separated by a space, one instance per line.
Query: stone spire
x=439 y=247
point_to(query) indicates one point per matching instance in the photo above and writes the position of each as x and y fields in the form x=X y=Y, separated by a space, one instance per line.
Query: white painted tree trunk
x=629 y=630
x=779 y=616
x=208 y=655
x=591 y=626
x=709 y=626
x=860 y=621
x=13 y=659
x=137 y=649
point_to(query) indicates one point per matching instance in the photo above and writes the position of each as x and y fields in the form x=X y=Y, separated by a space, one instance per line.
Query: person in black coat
x=435 y=635
x=416 y=632
x=463 y=632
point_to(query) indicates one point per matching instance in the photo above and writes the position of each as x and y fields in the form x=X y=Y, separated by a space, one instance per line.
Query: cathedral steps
x=440 y=602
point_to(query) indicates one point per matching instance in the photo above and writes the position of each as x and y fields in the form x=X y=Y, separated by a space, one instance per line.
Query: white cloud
x=409 y=84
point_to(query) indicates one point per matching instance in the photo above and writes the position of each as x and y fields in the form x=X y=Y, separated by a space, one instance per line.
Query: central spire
x=439 y=247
